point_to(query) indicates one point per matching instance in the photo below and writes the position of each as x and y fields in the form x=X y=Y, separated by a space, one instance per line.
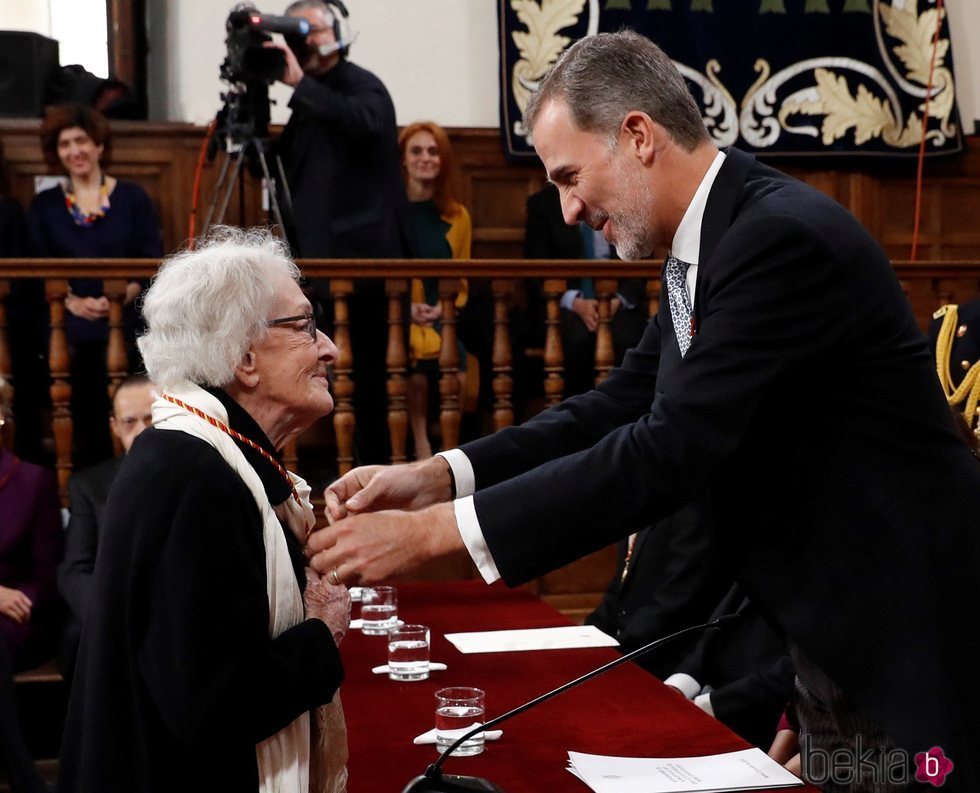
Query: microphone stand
x=434 y=781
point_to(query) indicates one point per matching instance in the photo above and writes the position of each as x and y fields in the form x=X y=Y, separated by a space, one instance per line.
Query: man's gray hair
x=603 y=77
x=206 y=306
x=319 y=5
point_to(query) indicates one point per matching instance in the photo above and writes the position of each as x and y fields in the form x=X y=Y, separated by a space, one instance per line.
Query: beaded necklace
x=238 y=437
x=80 y=217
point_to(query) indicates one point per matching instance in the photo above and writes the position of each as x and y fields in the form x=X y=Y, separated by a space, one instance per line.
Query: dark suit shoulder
x=95 y=481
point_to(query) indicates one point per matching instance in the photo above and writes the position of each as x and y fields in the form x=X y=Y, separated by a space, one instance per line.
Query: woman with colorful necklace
x=91 y=215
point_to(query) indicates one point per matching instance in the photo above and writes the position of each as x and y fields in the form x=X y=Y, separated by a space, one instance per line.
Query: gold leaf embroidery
x=540 y=45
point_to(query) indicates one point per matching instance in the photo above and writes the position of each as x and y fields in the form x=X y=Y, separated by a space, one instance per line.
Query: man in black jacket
x=856 y=537
x=88 y=492
x=340 y=154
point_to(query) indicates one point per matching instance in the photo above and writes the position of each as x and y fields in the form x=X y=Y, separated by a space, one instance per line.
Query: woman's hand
x=91 y=308
x=15 y=604
x=328 y=603
x=424 y=314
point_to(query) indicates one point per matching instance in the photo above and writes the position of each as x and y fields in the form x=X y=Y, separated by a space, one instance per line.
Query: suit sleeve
x=81 y=545
x=771 y=305
x=206 y=657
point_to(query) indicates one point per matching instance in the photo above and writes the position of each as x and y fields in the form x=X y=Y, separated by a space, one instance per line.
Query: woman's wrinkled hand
x=328 y=603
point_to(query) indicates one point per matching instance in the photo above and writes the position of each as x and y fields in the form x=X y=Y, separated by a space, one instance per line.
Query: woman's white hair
x=206 y=306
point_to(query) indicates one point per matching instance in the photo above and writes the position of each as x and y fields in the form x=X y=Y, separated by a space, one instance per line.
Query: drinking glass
x=408 y=652
x=458 y=710
x=379 y=610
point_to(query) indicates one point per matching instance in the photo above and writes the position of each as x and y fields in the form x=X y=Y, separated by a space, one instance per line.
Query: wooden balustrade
x=928 y=285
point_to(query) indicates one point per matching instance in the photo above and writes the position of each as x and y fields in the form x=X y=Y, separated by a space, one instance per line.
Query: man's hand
x=588 y=310
x=15 y=604
x=91 y=308
x=293 y=72
x=366 y=549
x=374 y=487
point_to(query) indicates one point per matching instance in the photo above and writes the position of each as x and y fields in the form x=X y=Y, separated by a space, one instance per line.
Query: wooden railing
x=928 y=284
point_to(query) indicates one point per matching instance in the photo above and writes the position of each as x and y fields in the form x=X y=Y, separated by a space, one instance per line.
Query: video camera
x=248 y=59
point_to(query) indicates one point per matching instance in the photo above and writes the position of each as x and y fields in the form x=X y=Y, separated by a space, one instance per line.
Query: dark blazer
x=808 y=406
x=747 y=666
x=674 y=581
x=88 y=491
x=340 y=150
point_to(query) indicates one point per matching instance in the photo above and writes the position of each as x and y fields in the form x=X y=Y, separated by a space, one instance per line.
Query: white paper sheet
x=565 y=637
x=748 y=769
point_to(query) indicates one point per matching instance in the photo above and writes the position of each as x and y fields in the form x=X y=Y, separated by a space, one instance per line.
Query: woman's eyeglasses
x=309 y=323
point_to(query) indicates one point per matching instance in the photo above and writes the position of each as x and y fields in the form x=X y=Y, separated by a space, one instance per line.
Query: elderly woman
x=201 y=655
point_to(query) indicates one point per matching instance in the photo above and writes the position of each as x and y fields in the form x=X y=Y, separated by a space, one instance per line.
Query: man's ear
x=642 y=134
x=246 y=372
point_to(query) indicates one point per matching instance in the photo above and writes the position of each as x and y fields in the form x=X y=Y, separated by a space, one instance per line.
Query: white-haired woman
x=200 y=660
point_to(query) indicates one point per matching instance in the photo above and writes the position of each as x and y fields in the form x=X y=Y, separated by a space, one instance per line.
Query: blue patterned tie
x=680 y=301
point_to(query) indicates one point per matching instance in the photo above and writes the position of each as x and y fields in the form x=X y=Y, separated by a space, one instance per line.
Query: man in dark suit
x=88 y=491
x=340 y=153
x=857 y=538
x=741 y=675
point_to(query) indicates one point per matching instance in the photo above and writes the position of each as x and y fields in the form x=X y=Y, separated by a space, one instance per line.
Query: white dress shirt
x=685 y=246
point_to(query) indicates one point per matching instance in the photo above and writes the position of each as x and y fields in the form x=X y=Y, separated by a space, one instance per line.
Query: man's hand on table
x=377 y=546
x=376 y=487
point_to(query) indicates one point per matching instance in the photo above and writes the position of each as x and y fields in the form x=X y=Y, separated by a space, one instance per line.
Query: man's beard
x=634 y=239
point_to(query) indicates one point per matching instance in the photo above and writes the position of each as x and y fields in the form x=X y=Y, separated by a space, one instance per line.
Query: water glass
x=408 y=652
x=379 y=610
x=458 y=709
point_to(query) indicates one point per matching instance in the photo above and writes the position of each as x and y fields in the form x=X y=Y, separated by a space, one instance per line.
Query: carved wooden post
x=605 y=355
x=396 y=359
x=117 y=361
x=554 y=356
x=6 y=369
x=343 y=386
x=653 y=296
x=450 y=414
x=56 y=290
x=503 y=359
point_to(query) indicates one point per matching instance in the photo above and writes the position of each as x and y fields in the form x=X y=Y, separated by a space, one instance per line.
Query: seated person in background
x=205 y=644
x=88 y=492
x=443 y=230
x=92 y=215
x=668 y=577
x=30 y=546
x=740 y=674
x=547 y=236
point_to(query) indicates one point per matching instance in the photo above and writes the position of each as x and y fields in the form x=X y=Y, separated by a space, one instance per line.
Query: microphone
x=337 y=46
x=434 y=781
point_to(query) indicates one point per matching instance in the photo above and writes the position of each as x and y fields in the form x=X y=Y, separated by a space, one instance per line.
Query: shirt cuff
x=568 y=298
x=462 y=470
x=703 y=701
x=472 y=535
x=686 y=684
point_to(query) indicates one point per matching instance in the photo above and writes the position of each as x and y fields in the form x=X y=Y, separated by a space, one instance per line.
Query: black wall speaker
x=28 y=65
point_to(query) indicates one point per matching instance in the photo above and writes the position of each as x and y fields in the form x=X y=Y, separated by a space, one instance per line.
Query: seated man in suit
x=88 y=492
x=546 y=236
x=742 y=674
x=668 y=577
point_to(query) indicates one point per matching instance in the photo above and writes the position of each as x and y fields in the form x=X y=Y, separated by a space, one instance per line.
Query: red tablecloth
x=624 y=712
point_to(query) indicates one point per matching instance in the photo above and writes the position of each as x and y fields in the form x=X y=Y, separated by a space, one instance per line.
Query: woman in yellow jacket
x=443 y=230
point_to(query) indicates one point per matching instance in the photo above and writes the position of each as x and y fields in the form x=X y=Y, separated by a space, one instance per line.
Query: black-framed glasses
x=309 y=323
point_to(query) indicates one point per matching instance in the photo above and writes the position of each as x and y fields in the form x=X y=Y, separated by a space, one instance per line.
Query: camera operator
x=340 y=154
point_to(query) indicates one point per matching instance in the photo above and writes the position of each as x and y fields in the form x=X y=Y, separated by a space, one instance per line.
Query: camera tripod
x=241 y=132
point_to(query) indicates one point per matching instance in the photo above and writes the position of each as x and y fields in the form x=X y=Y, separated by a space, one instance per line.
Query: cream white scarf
x=283 y=759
